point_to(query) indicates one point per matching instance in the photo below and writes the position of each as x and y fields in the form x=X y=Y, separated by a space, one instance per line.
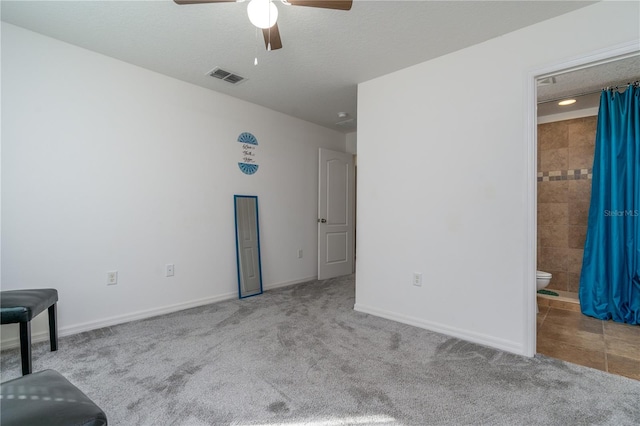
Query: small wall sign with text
x=249 y=143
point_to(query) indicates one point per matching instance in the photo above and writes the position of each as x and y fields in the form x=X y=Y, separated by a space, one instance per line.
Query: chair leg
x=53 y=327
x=25 y=347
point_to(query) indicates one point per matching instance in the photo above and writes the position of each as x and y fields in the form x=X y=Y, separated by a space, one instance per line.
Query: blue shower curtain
x=610 y=278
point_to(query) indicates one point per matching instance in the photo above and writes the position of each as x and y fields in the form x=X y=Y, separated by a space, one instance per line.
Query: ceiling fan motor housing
x=264 y=14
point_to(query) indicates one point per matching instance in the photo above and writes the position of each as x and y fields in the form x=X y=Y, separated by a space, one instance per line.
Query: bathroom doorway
x=564 y=149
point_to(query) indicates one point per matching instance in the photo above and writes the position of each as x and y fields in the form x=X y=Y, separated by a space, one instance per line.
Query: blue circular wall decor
x=248 y=169
x=247 y=137
x=249 y=143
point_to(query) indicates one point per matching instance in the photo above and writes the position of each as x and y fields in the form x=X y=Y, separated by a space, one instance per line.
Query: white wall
x=107 y=166
x=351 y=142
x=443 y=189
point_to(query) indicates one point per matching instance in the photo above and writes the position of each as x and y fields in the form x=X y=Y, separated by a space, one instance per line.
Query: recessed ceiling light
x=567 y=102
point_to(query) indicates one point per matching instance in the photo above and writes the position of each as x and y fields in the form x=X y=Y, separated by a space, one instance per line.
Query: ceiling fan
x=264 y=14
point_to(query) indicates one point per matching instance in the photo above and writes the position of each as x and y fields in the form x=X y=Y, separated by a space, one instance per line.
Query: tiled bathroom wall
x=565 y=159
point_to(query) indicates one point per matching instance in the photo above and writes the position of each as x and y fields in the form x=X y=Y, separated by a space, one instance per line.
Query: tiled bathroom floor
x=565 y=333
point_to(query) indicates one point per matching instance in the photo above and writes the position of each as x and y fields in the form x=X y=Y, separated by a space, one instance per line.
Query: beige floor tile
x=573 y=320
x=624 y=366
x=570 y=335
x=543 y=302
x=622 y=347
x=623 y=331
x=567 y=306
x=561 y=350
x=541 y=314
x=577 y=338
x=622 y=339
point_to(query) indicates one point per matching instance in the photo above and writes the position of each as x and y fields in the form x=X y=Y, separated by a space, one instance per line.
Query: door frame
x=600 y=56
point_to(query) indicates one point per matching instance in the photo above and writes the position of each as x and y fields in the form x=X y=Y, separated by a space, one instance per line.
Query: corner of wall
x=351 y=142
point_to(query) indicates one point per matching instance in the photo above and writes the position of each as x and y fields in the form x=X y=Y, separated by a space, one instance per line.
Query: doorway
x=560 y=330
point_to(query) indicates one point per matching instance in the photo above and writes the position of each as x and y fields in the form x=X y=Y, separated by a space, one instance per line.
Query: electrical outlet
x=417 y=279
x=300 y=254
x=169 y=270
x=112 y=277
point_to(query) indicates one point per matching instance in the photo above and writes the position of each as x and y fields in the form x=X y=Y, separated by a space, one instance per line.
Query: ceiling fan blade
x=272 y=34
x=202 y=1
x=325 y=4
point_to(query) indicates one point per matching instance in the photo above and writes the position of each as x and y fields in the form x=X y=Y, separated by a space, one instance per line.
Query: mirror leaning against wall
x=248 y=245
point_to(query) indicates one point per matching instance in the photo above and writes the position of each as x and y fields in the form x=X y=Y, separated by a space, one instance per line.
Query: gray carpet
x=301 y=356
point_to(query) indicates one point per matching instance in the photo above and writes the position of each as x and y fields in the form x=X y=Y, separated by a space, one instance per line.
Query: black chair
x=47 y=398
x=22 y=306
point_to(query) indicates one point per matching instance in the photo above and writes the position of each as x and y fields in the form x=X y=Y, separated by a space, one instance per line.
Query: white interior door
x=335 y=214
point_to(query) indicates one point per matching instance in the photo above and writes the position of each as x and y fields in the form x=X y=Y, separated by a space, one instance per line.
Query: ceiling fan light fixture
x=262 y=13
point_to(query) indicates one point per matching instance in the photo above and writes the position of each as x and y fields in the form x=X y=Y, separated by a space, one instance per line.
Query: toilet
x=542 y=279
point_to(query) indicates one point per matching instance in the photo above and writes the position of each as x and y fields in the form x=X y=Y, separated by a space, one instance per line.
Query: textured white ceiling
x=325 y=53
x=587 y=82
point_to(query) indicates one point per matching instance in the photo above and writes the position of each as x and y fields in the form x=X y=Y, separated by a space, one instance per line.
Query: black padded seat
x=47 y=398
x=21 y=306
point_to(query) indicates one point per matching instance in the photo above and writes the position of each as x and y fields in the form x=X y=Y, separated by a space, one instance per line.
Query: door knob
x=322 y=220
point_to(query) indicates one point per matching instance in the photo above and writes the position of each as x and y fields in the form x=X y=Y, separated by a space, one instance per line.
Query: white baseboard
x=14 y=341
x=288 y=283
x=43 y=336
x=479 y=338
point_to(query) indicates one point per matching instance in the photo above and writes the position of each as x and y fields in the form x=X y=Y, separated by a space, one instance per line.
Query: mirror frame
x=239 y=259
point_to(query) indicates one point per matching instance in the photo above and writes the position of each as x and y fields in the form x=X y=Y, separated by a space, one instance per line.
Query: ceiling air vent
x=546 y=81
x=227 y=76
x=349 y=122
